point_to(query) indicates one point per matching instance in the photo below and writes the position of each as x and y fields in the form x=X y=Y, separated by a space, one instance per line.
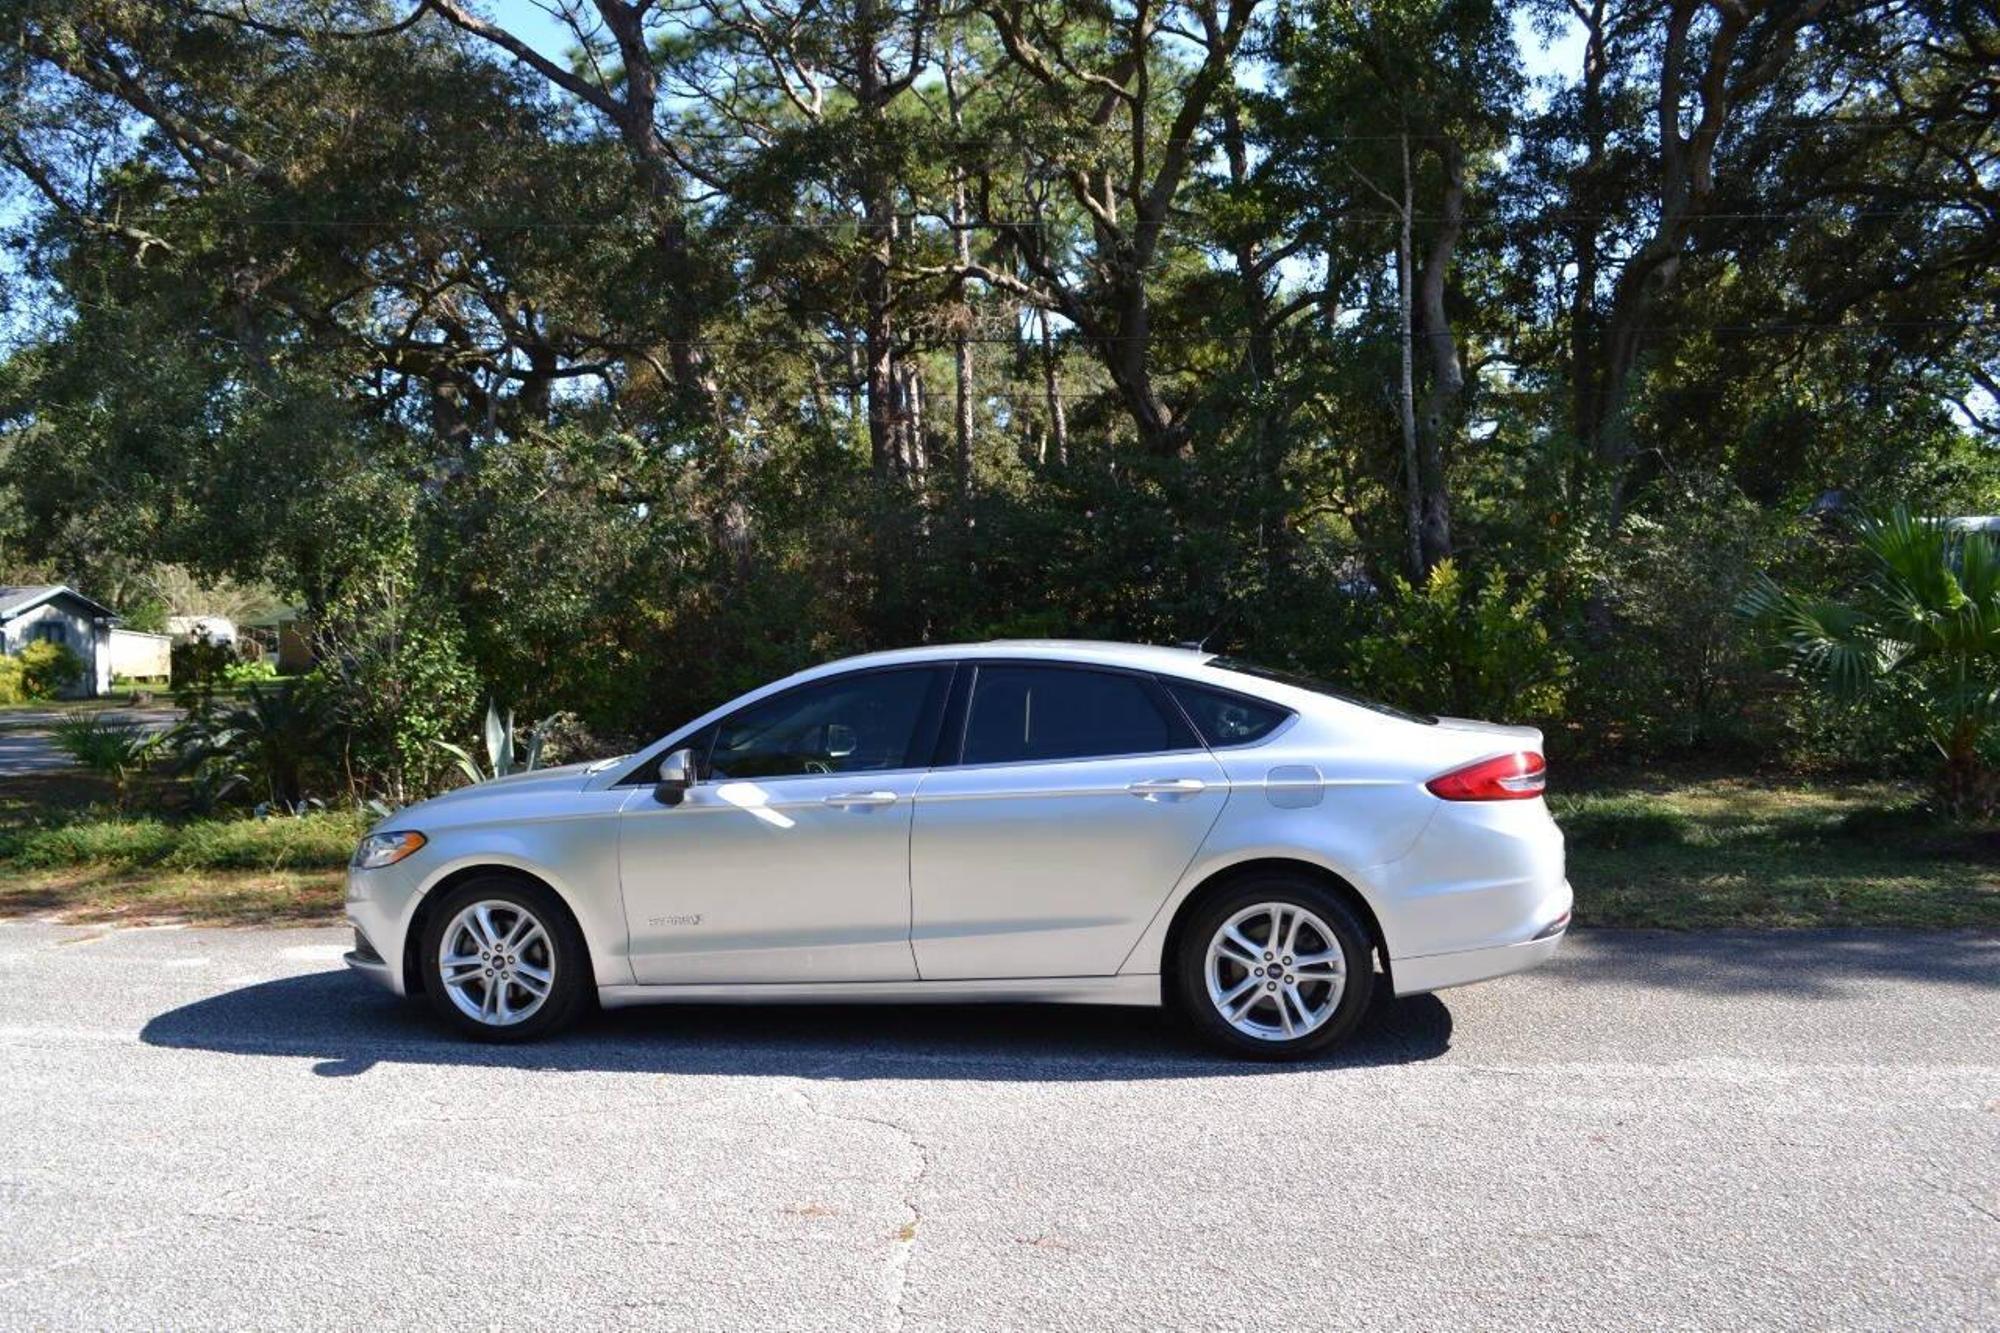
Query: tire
x=1317 y=1000
x=542 y=982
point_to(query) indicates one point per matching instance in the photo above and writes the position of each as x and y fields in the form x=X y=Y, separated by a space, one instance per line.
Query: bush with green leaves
x=274 y=743
x=317 y=841
x=1919 y=636
x=13 y=683
x=48 y=669
x=115 y=750
x=246 y=672
x=1466 y=647
x=394 y=674
x=1676 y=668
x=197 y=666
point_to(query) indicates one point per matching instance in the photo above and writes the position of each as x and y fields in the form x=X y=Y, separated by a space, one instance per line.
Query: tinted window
x=1299 y=682
x=850 y=724
x=1057 y=713
x=1227 y=719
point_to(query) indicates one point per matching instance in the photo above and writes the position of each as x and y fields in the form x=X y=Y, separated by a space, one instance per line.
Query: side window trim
x=1170 y=711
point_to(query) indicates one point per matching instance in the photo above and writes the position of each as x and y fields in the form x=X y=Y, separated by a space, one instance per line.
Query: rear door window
x=1022 y=713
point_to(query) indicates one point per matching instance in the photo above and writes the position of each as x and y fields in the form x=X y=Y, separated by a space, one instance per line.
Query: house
x=62 y=615
x=137 y=655
x=282 y=635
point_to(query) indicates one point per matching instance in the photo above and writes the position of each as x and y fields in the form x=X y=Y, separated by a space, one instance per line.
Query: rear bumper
x=1416 y=976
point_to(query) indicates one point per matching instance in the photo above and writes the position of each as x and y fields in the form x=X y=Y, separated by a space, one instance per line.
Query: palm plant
x=271 y=738
x=1925 y=621
x=499 y=740
x=117 y=750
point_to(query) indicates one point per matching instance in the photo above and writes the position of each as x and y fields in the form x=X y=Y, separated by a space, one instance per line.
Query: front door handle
x=862 y=798
x=1152 y=787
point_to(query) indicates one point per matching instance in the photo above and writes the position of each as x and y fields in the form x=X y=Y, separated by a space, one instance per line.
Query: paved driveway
x=204 y=1127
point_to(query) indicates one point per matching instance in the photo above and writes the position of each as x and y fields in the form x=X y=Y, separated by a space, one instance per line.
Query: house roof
x=26 y=597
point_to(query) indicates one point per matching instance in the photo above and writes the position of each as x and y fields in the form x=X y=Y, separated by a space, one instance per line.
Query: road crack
x=903 y=1242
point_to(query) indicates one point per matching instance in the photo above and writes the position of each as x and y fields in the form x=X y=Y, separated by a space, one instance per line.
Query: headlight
x=385 y=849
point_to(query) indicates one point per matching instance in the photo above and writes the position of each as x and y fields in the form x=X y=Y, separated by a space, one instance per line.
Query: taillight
x=1520 y=776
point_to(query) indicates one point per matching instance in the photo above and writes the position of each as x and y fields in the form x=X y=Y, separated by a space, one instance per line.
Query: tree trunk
x=1052 y=390
x=961 y=244
x=1443 y=415
x=1584 y=251
x=1406 y=387
x=885 y=445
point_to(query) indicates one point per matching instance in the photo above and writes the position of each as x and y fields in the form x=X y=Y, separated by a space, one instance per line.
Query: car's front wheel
x=1275 y=967
x=503 y=961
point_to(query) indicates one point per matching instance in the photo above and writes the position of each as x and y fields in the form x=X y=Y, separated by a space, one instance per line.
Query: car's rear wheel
x=1275 y=967
x=503 y=961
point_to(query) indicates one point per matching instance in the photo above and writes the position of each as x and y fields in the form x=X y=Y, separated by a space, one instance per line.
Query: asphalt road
x=27 y=739
x=204 y=1127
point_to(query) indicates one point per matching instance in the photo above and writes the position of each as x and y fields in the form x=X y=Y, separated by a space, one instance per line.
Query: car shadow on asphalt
x=349 y=1028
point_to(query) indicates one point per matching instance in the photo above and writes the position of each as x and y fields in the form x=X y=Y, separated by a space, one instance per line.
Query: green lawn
x=64 y=851
x=1748 y=851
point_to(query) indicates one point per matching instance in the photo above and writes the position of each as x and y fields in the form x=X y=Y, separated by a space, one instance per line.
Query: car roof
x=1143 y=656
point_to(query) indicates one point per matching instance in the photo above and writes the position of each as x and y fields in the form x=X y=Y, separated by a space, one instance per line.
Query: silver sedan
x=1089 y=823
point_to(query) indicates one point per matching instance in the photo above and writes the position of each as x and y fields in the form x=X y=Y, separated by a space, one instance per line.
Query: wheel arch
x=438 y=890
x=1222 y=879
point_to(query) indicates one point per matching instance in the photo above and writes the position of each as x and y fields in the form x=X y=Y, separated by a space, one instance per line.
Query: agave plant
x=117 y=750
x=1927 y=621
x=500 y=752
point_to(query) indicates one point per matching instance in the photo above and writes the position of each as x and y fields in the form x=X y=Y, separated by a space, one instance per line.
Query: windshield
x=1301 y=682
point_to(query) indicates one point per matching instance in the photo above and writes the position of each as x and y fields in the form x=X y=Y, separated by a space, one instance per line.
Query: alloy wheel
x=496 y=963
x=1275 y=971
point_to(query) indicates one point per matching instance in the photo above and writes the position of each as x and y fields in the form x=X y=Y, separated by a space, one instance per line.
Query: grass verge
x=206 y=897
x=1741 y=851
x=65 y=852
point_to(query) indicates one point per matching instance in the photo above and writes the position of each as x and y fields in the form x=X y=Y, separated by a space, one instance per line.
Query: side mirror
x=676 y=776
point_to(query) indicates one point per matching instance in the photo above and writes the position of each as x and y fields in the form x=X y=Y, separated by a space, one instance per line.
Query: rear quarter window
x=1226 y=719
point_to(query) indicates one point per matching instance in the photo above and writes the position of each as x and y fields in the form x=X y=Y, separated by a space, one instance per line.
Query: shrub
x=115 y=750
x=13 y=685
x=1474 y=650
x=322 y=841
x=393 y=669
x=248 y=672
x=48 y=668
x=196 y=665
x=1917 y=639
x=1676 y=668
x=275 y=742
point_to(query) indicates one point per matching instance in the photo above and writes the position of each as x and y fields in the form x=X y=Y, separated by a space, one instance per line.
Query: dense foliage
x=614 y=369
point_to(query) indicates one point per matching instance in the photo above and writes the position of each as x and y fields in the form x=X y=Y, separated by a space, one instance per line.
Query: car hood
x=566 y=778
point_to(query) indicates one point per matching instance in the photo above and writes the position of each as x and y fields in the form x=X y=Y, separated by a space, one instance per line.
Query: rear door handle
x=1152 y=787
x=862 y=798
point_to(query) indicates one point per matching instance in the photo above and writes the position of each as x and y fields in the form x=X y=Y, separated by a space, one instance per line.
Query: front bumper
x=379 y=906
x=365 y=959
